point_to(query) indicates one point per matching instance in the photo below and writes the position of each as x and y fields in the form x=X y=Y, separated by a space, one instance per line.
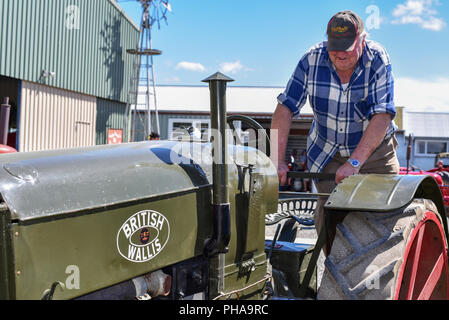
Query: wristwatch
x=354 y=163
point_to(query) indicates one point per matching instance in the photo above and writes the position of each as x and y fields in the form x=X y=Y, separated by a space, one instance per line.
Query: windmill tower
x=142 y=95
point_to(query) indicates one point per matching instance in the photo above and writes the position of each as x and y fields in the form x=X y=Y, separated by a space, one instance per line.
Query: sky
x=259 y=42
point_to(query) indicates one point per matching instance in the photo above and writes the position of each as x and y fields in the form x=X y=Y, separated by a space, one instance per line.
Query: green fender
x=385 y=192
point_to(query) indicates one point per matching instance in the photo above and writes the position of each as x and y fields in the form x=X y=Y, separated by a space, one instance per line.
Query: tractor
x=440 y=172
x=186 y=219
x=441 y=166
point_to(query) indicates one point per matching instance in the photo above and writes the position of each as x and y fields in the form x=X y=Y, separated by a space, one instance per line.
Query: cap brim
x=340 y=44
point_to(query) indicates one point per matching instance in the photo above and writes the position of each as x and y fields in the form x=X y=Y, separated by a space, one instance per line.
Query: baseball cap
x=342 y=31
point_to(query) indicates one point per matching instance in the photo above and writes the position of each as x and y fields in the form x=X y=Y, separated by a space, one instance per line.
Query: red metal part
x=424 y=272
x=6 y=149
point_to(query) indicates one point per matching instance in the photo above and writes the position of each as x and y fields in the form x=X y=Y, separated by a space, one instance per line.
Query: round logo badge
x=143 y=236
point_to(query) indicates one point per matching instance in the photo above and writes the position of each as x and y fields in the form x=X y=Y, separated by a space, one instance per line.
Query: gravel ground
x=305 y=235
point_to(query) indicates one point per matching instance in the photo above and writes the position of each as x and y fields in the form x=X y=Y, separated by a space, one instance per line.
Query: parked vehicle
x=166 y=220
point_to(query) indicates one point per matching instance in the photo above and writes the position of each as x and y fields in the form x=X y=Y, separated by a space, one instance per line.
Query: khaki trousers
x=383 y=161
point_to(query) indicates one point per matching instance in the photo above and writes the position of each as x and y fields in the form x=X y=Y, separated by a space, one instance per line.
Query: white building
x=185 y=106
x=430 y=135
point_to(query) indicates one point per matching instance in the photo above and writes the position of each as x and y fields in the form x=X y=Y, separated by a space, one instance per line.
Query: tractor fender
x=384 y=193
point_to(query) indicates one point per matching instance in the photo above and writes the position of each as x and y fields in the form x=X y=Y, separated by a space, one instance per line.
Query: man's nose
x=341 y=54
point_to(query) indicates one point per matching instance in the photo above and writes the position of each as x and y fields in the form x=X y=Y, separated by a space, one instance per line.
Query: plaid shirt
x=340 y=115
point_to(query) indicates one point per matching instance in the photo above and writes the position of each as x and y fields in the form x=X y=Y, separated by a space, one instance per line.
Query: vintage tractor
x=441 y=166
x=440 y=172
x=186 y=219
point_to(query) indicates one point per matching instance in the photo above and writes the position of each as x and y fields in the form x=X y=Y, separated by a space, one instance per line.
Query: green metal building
x=64 y=65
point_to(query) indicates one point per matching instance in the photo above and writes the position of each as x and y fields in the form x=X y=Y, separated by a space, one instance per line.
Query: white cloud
x=422 y=95
x=231 y=67
x=420 y=12
x=191 y=66
x=433 y=23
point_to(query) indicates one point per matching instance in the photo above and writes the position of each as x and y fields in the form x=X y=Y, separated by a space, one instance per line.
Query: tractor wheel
x=388 y=255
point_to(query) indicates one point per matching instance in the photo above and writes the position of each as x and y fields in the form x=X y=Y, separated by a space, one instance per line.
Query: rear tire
x=378 y=256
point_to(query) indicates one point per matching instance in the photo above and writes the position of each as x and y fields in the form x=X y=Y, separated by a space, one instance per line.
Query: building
x=429 y=136
x=185 y=106
x=64 y=66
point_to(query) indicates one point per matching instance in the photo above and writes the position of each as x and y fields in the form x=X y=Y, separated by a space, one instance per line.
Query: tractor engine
x=133 y=221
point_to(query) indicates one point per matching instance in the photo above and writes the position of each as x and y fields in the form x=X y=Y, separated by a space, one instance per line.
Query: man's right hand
x=282 y=173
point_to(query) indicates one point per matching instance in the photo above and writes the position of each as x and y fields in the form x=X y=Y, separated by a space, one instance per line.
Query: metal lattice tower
x=154 y=11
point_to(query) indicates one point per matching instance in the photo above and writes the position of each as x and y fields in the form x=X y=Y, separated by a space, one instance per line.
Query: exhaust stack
x=221 y=206
x=4 y=121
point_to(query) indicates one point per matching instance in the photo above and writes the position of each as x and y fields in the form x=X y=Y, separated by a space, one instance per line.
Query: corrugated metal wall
x=110 y=115
x=83 y=42
x=52 y=118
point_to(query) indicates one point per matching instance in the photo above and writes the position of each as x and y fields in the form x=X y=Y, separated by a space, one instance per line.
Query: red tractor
x=444 y=185
x=6 y=149
x=440 y=173
x=442 y=166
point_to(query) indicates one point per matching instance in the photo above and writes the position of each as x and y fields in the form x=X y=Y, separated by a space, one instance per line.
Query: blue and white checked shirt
x=340 y=115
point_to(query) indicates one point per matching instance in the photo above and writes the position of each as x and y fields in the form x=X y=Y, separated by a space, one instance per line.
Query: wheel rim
x=424 y=272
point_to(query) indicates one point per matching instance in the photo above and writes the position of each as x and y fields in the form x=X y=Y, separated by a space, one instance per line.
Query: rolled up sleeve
x=381 y=95
x=295 y=94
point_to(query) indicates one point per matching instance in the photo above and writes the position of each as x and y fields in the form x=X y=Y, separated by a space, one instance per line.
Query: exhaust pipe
x=4 y=121
x=150 y=285
x=221 y=207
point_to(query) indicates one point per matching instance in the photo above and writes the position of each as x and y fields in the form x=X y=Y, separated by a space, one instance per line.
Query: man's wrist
x=356 y=164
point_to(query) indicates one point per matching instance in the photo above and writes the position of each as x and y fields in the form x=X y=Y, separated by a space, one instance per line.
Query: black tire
x=368 y=251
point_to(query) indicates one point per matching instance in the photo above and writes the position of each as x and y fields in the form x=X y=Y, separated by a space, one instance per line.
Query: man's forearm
x=280 y=129
x=372 y=137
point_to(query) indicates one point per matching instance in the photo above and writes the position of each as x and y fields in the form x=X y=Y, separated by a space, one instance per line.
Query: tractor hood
x=49 y=183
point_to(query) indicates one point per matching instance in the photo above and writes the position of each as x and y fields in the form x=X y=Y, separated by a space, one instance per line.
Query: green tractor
x=186 y=219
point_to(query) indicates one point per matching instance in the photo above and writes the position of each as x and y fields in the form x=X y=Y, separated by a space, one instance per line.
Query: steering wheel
x=252 y=124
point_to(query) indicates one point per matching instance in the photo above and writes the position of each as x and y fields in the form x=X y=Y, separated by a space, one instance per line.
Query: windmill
x=154 y=12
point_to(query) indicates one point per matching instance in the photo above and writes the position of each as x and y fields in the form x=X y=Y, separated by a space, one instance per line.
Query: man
x=154 y=136
x=349 y=83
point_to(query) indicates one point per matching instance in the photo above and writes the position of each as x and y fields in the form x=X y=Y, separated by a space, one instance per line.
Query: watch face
x=354 y=163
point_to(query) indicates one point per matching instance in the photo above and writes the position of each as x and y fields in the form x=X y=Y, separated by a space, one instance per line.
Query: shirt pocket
x=359 y=108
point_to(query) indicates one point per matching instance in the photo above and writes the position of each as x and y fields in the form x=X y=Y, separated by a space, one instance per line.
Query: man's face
x=347 y=60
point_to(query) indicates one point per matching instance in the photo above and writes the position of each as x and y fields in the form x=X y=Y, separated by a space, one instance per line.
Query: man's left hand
x=345 y=171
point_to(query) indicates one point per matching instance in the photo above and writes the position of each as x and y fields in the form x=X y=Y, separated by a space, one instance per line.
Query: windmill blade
x=167 y=5
x=158 y=19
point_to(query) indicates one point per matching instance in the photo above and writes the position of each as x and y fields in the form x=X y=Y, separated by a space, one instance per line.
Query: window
x=176 y=127
x=424 y=147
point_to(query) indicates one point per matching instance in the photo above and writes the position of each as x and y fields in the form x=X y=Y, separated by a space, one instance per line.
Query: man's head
x=346 y=39
x=154 y=136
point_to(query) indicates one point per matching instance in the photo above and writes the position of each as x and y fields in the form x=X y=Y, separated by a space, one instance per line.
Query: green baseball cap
x=342 y=31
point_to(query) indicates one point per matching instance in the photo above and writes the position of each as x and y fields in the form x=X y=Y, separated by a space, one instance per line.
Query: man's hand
x=345 y=171
x=282 y=173
x=371 y=139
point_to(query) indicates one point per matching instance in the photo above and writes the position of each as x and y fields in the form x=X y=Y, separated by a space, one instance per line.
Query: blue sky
x=259 y=42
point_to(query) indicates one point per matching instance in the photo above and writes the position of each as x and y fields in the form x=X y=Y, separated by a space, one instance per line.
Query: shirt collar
x=367 y=55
